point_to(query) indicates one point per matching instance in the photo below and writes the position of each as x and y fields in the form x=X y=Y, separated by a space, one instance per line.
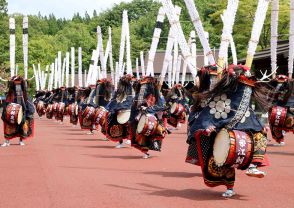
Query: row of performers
x=224 y=132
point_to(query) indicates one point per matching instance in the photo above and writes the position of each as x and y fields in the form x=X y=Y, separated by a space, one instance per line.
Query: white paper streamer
x=179 y=63
x=175 y=60
x=67 y=70
x=178 y=32
x=155 y=41
x=137 y=68
x=117 y=71
x=170 y=68
x=59 y=68
x=291 y=40
x=56 y=73
x=256 y=31
x=25 y=39
x=234 y=51
x=80 y=58
x=168 y=50
x=12 y=46
x=274 y=34
x=63 y=72
x=101 y=53
x=72 y=67
x=142 y=63
x=36 y=78
x=128 y=44
x=228 y=18
x=200 y=30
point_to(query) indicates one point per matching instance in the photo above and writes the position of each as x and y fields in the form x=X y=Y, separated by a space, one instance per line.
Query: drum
x=100 y=116
x=278 y=116
x=177 y=109
x=147 y=124
x=89 y=113
x=281 y=118
x=123 y=116
x=233 y=148
x=73 y=109
x=14 y=113
x=61 y=108
x=49 y=111
x=55 y=107
x=41 y=108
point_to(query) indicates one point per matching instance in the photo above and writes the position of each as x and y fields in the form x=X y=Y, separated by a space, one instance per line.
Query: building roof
x=282 y=49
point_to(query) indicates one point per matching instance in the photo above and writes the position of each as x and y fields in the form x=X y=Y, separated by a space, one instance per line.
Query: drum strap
x=97 y=95
x=19 y=96
x=243 y=107
x=90 y=96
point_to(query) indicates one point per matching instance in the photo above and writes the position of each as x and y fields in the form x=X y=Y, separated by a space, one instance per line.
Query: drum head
x=123 y=116
x=77 y=109
x=141 y=123
x=173 y=108
x=20 y=115
x=221 y=147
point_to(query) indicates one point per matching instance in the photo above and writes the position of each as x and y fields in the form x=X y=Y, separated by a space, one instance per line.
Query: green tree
x=3 y=8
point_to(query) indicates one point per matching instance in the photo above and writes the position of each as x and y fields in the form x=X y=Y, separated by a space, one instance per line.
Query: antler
x=32 y=78
x=265 y=77
x=3 y=80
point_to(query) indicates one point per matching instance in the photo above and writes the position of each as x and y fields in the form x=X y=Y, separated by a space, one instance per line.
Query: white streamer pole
x=67 y=70
x=206 y=35
x=80 y=67
x=16 y=69
x=200 y=30
x=179 y=63
x=56 y=74
x=142 y=63
x=12 y=46
x=59 y=67
x=110 y=54
x=234 y=51
x=92 y=67
x=228 y=18
x=101 y=52
x=274 y=34
x=63 y=72
x=155 y=41
x=175 y=60
x=72 y=66
x=291 y=40
x=137 y=68
x=25 y=39
x=85 y=79
x=193 y=47
x=128 y=44
x=50 y=84
x=168 y=50
x=117 y=71
x=177 y=30
x=39 y=76
x=170 y=67
x=122 y=44
x=256 y=31
x=36 y=78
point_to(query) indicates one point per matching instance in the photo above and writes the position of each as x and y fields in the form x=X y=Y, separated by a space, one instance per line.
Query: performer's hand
x=209 y=130
x=143 y=108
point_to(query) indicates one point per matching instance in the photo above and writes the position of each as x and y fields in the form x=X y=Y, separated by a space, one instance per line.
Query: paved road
x=62 y=167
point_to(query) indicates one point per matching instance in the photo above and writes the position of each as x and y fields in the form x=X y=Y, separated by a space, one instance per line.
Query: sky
x=60 y=8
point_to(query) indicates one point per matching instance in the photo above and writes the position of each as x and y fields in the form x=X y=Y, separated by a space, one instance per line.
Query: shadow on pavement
x=174 y=174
